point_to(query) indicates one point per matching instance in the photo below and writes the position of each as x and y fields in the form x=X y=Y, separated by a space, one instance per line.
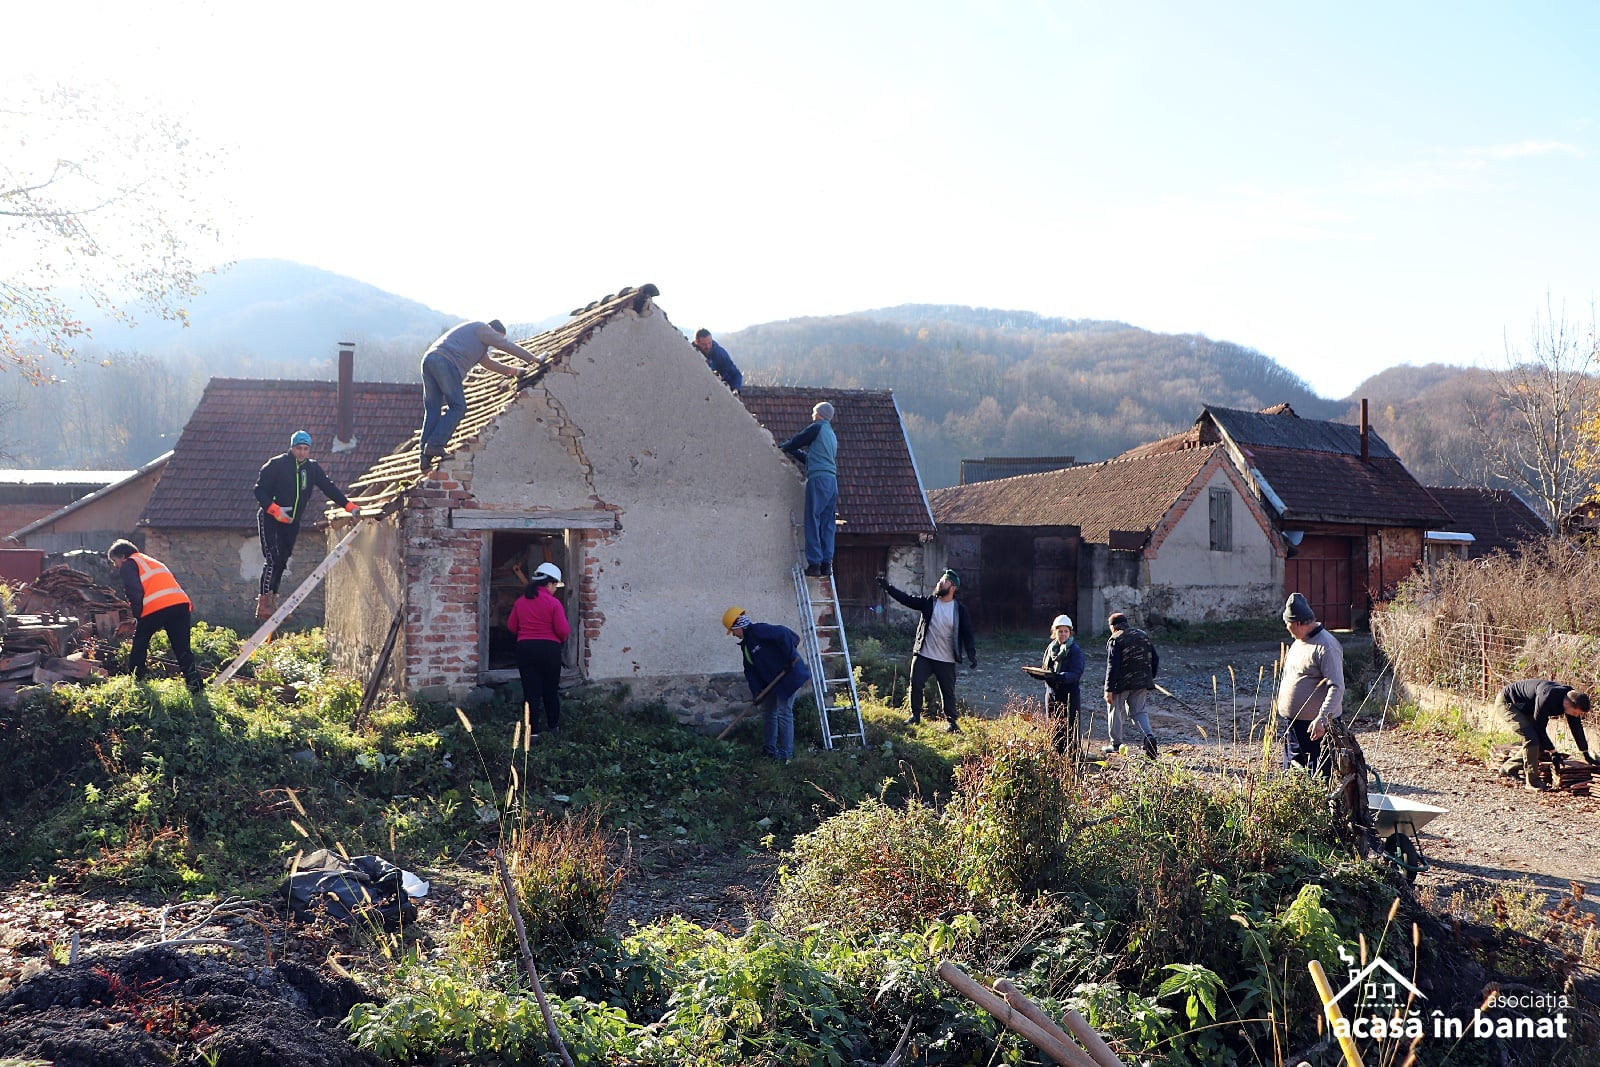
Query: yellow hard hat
x=730 y=617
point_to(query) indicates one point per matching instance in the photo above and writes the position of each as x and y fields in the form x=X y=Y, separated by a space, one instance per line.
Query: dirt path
x=1493 y=830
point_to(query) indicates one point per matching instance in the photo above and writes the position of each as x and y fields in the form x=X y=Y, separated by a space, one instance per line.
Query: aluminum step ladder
x=833 y=676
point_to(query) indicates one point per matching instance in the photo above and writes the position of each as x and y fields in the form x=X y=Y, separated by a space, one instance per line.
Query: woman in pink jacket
x=539 y=623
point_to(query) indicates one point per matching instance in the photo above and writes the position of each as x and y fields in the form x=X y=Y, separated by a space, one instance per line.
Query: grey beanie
x=1297 y=609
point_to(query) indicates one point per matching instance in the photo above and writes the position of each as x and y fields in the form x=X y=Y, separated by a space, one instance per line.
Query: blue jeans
x=778 y=714
x=442 y=387
x=822 y=501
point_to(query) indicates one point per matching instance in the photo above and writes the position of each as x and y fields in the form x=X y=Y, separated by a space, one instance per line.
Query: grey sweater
x=1313 y=678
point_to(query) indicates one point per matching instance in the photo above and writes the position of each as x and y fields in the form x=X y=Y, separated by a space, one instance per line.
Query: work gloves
x=351 y=508
x=278 y=513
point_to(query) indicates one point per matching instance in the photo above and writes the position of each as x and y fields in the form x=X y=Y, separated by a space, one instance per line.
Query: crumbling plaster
x=706 y=508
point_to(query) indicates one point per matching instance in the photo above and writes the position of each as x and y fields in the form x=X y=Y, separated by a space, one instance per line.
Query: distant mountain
x=278 y=312
x=975 y=382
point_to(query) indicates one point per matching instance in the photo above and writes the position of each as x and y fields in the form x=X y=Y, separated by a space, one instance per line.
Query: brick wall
x=443 y=585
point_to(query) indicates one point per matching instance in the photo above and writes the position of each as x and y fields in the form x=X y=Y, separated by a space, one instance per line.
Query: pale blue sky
x=1344 y=187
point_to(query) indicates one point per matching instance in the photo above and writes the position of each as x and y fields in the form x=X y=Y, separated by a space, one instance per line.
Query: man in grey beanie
x=1311 y=689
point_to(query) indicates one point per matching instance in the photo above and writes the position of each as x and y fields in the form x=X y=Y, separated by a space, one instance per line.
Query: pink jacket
x=540 y=619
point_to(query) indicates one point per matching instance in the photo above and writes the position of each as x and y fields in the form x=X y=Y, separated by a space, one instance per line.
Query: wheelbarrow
x=1395 y=824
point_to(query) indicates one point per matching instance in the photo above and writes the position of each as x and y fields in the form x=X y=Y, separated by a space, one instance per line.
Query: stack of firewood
x=1568 y=774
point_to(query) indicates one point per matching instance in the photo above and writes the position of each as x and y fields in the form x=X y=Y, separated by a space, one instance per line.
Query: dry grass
x=1472 y=626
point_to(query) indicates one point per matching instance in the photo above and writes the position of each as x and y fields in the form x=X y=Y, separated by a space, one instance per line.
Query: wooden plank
x=485 y=519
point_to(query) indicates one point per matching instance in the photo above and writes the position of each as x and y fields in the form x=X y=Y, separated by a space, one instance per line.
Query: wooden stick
x=1065 y=1054
x=510 y=892
x=1098 y=1050
x=748 y=708
x=1330 y=1007
x=1092 y=1041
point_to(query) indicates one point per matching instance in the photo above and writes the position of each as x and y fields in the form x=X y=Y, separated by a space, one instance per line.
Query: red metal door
x=1321 y=571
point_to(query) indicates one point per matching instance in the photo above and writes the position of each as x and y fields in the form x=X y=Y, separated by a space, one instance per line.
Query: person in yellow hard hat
x=771 y=654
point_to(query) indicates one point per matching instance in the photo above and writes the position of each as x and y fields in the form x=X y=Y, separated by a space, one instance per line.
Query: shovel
x=748 y=708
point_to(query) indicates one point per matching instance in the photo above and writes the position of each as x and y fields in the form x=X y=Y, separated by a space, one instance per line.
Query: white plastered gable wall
x=1189 y=581
x=707 y=507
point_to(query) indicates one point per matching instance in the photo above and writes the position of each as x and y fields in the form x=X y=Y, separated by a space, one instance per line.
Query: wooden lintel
x=489 y=519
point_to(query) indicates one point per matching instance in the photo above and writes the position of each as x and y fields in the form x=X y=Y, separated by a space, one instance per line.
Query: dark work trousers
x=174 y=620
x=1303 y=750
x=277 y=545
x=944 y=674
x=1061 y=710
x=539 y=664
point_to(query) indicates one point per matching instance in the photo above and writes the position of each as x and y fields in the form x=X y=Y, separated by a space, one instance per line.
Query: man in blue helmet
x=283 y=489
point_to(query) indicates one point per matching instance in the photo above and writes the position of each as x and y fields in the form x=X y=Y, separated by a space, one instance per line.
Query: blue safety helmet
x=300 y=437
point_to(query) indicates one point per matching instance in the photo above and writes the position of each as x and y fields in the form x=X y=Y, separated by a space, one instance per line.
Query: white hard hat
x=547 y=570
x=1062 y=620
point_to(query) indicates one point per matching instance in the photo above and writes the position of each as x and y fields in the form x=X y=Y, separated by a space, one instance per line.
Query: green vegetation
x=1175 y=911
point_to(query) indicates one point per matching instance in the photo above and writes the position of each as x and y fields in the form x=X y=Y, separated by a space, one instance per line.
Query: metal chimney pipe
x=345 y=437
x=1366 y=433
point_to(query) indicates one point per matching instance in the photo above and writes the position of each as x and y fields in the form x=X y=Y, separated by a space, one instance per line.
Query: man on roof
x=283 y=489
x=717 y=359
x=818 y=448
x=444 y=374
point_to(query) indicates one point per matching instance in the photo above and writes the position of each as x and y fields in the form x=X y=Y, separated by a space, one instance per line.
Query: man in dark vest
x=1131 y=666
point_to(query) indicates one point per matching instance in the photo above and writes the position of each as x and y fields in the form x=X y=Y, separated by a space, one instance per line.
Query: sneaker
x=915 y=720
x=1149 y=747
x=952 y=727
x=826 y=567
x=1109 y=750
x=813 y=570
x=1535 y=785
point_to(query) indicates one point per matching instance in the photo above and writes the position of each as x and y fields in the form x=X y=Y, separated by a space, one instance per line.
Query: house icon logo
x=1378 y=986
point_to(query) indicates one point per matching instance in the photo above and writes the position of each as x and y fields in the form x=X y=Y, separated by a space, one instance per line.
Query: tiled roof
x=1280 y=427
x=1337 y=487
x=1118 y=494
x=1497 y=519
x=1177 y=442
x=880 y=491
x=489 y=395
x=239 y=424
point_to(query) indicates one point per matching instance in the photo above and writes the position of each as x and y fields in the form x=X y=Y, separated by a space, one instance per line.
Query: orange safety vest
x=161 y=589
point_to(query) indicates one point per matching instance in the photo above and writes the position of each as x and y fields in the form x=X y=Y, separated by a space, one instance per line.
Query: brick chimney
x=344 y=439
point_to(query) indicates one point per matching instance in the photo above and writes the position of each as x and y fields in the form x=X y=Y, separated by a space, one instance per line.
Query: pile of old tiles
x=62 y=618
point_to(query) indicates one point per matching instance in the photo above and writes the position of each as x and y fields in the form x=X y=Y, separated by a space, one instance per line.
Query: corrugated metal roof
x=61 y=477
x=1280 y=427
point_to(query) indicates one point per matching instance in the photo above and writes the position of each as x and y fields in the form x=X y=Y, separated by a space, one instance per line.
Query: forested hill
x=975 y=382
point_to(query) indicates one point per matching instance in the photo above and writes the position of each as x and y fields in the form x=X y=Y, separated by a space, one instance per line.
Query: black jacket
x=965 y=645
x=1131 y=661
x=1542 y=701
x=288 y=485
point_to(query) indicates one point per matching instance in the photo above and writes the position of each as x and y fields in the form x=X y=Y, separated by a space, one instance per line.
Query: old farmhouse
x=623 y=459
x=1173 y=536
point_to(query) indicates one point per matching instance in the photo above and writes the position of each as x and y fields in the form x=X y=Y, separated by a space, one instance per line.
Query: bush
x=565 y=882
